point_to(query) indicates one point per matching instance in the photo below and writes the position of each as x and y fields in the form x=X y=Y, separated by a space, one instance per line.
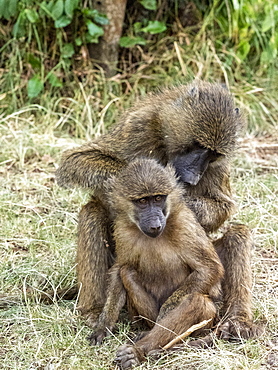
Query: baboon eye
x=159 y=198
x=141 y=201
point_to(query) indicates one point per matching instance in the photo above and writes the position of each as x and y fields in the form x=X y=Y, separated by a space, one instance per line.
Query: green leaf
x=2 y=7
x=268 y=23
x=50 y=4
x=19 y=26
x=47 y=6
x=34 y=86
x=57 y=9
x=94 y=30
x=129 y=42
x=90 y=39
x=89 y=13
x=12 y=4
x=62 y=22
x=67 y=50
x=35 y=62
x=137 y=26
x=243 y=49
x=78 y=41
x=54 y=80
x=149 y=4
x=32 y=15
x=101 y=19
x=70 y=6
x=154 y=27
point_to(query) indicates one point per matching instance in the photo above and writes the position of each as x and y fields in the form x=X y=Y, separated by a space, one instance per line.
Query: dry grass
x=38 y=237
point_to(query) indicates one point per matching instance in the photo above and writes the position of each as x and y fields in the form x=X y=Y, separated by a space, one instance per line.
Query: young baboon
x=166 y=267
x=194 y=127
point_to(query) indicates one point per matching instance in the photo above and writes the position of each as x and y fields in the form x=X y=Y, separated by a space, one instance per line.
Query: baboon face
x=150 y=214
x=191 y=166
x=144 y=194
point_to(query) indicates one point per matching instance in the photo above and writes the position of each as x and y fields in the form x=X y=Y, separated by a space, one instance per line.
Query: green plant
x=248 y=29
x=58 y=26
x=139 y=30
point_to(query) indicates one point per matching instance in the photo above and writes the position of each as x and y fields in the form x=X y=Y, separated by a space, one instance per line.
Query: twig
x=186 y=333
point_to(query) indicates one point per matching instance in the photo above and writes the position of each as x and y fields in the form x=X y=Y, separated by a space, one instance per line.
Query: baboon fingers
x=235 y=329
x=204 y=342
x=96 y=338
x=126 y=357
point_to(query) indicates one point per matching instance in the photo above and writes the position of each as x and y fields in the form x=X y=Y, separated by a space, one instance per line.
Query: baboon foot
x=126 y=357
x=91 y=316
x=236 y=329
x=204 y=342
x=97 y=336
x=155 y=354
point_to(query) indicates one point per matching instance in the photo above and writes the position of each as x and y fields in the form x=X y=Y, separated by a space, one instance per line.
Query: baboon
x=195 y=128
x=166 y=267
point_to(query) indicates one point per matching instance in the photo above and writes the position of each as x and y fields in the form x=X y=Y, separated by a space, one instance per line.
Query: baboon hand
x=126 y=357
x=236 y=329
x=97 y=336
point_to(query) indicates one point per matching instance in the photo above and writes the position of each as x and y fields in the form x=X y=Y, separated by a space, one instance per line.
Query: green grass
x=39 y=221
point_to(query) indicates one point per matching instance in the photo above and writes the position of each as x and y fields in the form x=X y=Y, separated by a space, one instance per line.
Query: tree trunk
x=105 y=52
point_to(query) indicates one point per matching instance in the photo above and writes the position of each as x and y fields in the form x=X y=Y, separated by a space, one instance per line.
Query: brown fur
x=171 y=279
x=161 y=126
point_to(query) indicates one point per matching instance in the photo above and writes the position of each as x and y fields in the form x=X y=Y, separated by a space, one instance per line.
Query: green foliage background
x=43 y=48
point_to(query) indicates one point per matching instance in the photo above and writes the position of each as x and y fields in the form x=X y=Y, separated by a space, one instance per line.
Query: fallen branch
x=186 y=333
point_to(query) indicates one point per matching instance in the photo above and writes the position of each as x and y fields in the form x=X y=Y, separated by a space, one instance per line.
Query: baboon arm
x=138 y=297
x=116 y=298
x=87 y=166
x=211 y=199
x=206 y=268
x=193 y=284
x=211 y=212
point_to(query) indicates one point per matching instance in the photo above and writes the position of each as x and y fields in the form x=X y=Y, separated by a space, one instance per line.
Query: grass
x=39 y=219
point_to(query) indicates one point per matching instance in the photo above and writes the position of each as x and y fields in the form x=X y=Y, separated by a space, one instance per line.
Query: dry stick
x=186 y=333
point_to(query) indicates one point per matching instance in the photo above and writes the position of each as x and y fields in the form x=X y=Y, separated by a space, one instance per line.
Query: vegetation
x=231 y=42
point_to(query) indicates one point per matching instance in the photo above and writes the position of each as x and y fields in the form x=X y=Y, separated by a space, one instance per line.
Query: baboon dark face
x=150 y=214
x=191 y=166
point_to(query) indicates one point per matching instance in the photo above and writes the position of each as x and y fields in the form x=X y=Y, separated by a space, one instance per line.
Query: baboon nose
x=155 y=230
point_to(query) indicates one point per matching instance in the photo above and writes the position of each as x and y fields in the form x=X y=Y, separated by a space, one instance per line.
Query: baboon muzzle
x=190 y=167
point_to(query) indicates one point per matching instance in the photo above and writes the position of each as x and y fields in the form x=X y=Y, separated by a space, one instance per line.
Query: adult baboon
x=166 y=267
x=195 y=127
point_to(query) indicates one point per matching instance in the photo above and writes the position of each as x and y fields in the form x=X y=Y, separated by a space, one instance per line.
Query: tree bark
x=106 y=51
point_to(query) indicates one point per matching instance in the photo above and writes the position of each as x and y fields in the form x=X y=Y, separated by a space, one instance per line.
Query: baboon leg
x=92 y=259
x=234 y=250
x=116 y=298
x=140 y=302
x=192 y=309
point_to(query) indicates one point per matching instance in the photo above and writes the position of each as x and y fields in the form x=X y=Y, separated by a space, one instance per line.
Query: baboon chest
x=162 y=272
